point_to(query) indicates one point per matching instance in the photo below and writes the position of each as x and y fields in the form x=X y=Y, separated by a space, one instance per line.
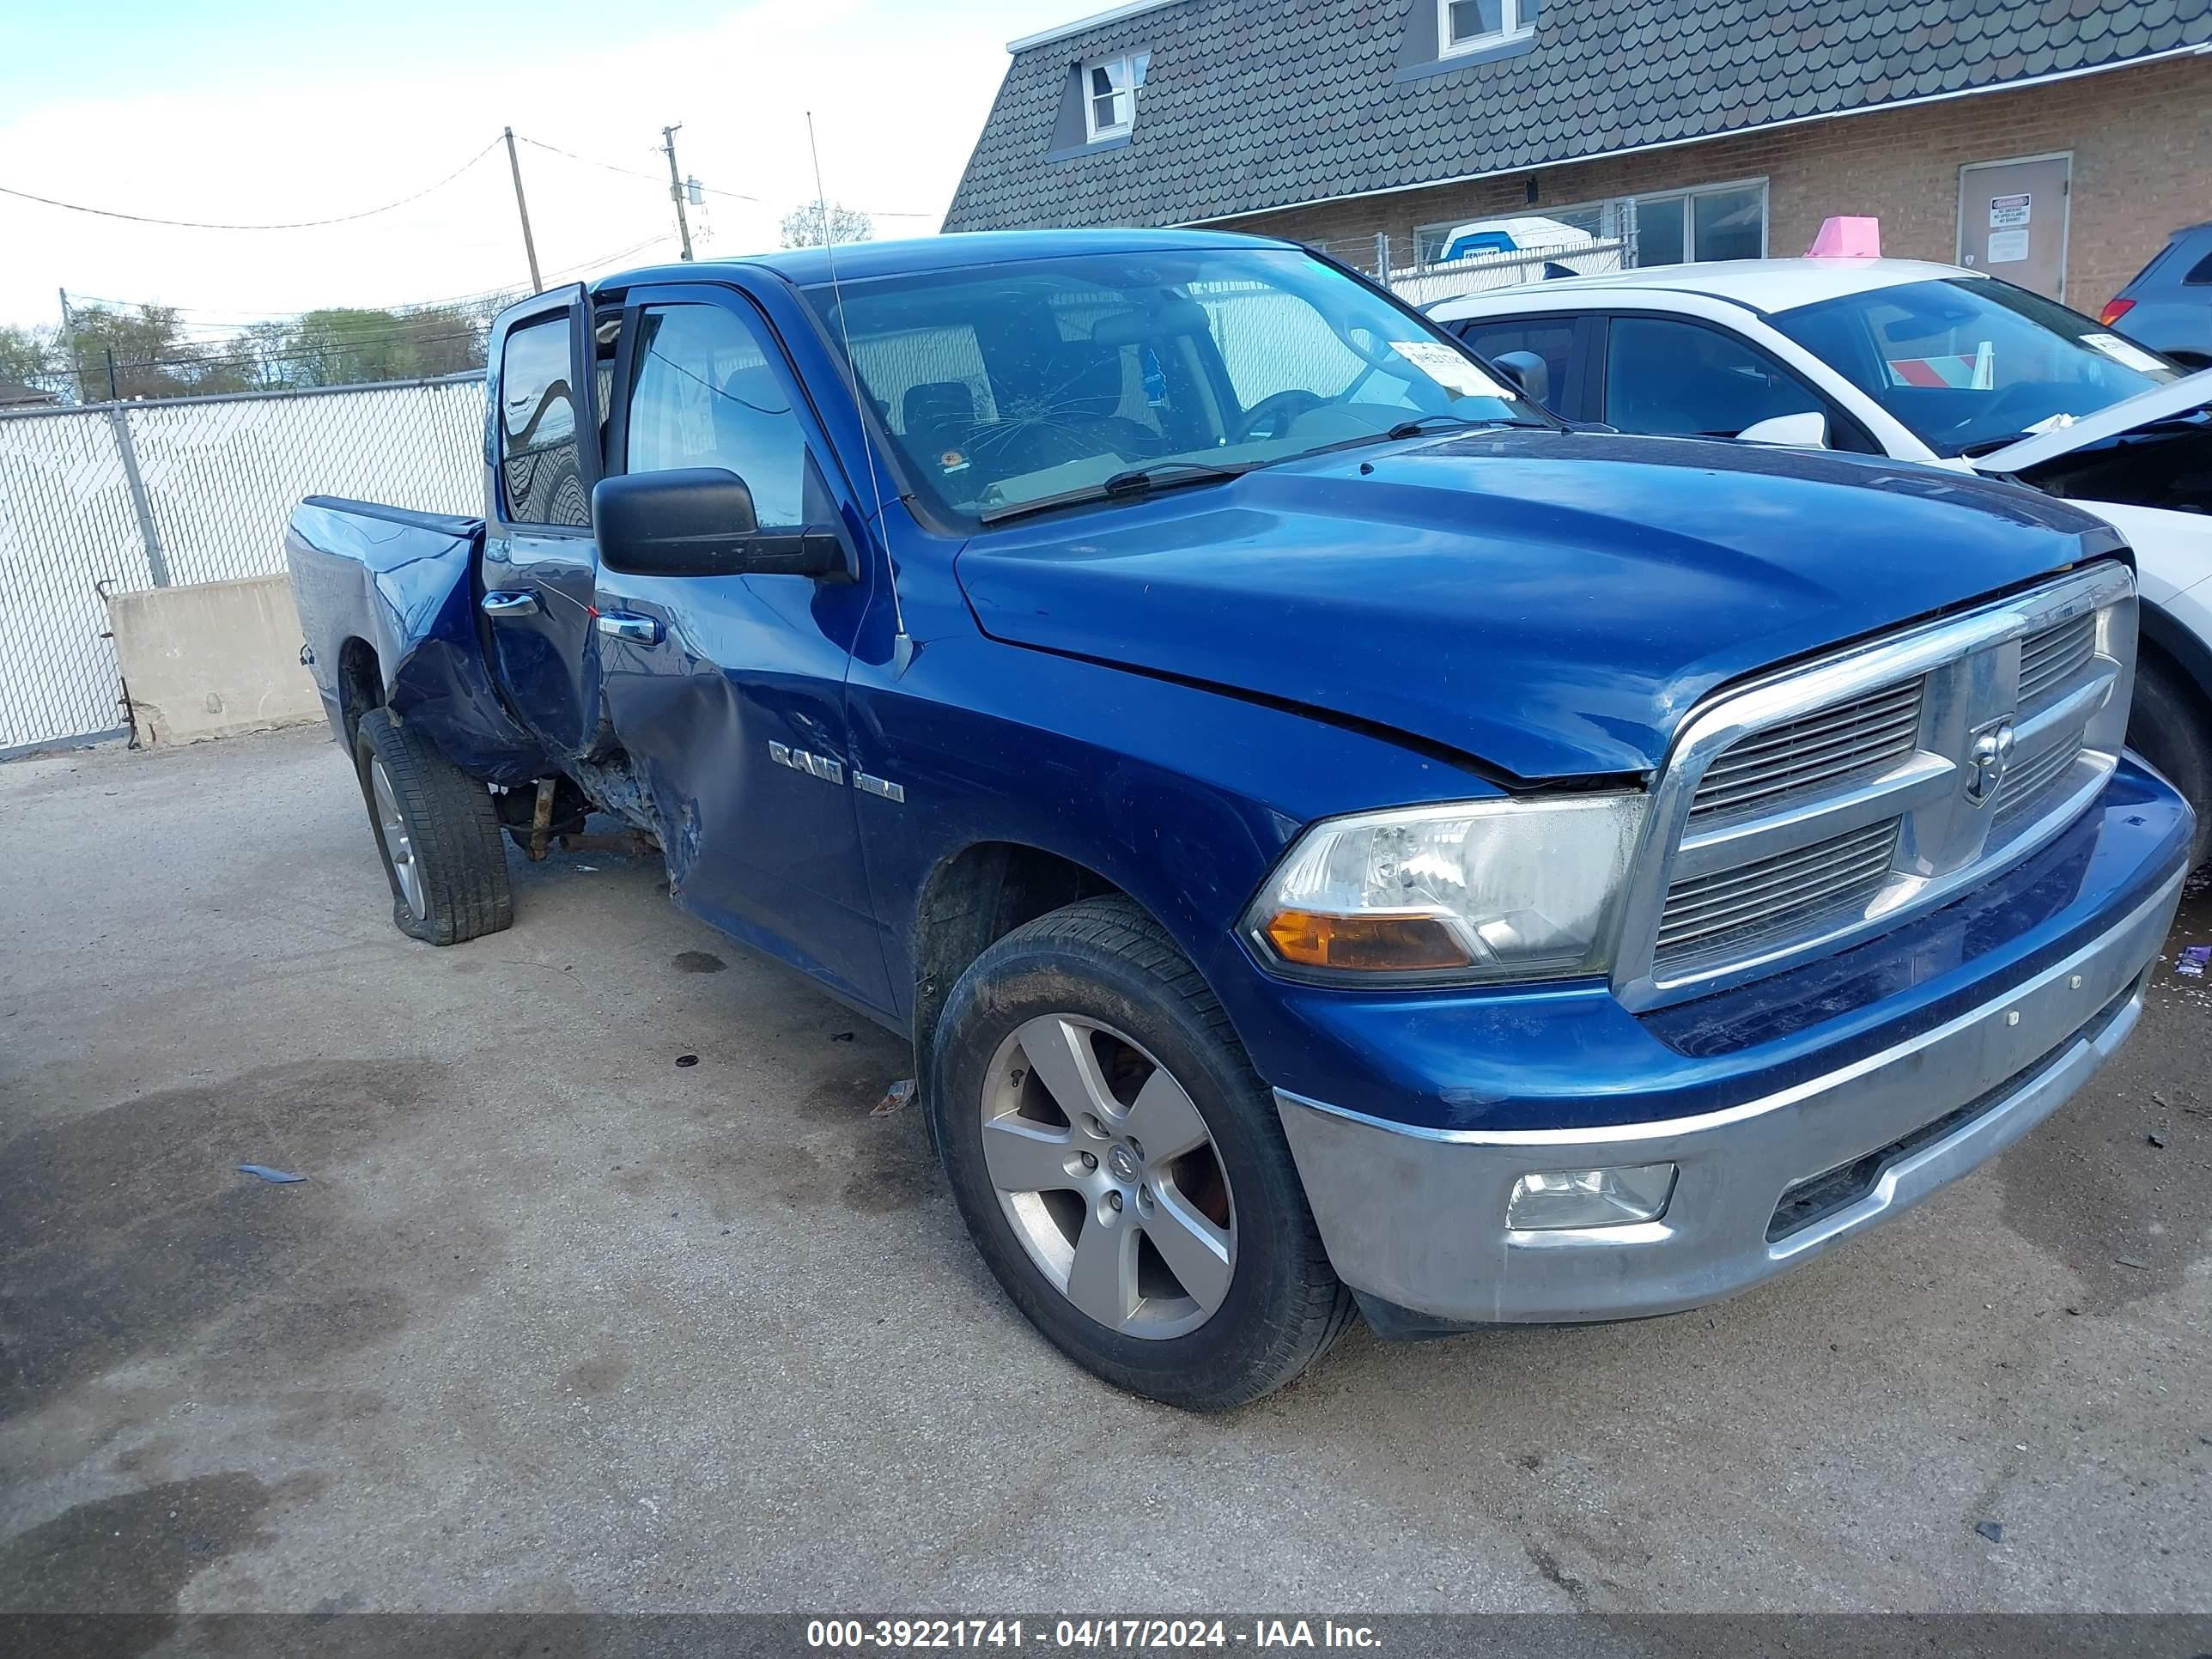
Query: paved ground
x=558 y=1324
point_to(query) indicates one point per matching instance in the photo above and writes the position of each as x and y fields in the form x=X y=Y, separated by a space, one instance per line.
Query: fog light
x=1590 y=1198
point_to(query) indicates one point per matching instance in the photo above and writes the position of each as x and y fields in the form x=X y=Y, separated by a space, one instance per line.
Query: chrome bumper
x=1417 y=1217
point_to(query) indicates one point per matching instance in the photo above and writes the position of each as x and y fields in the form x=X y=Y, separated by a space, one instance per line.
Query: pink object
x=1847 y=238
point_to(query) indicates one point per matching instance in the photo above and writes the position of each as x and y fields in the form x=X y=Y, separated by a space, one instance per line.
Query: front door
x=727 y=693
x=2012 y=221
x=538 y=558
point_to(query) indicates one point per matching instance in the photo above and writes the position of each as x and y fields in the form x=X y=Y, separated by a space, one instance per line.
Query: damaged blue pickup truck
x=1337 y=839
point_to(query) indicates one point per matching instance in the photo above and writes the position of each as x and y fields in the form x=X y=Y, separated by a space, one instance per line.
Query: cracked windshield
x=1013 y=388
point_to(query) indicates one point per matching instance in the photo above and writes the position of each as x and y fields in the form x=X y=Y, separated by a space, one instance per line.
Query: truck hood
x=1548 y=604
x=2161 y=403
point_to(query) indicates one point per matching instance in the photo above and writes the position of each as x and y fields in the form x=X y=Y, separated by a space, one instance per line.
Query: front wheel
x=438 y=833
x=2166 y=728
x=1120 y=1168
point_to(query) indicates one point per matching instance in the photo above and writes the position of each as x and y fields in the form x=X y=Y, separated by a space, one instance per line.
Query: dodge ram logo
x=1985 y=765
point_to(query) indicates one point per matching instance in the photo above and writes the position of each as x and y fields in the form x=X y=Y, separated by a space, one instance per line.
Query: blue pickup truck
x=1338 y=838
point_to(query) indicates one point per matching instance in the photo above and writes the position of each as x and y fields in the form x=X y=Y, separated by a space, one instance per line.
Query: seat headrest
x=938 y=404
x=751 y=397
x=1082 y=379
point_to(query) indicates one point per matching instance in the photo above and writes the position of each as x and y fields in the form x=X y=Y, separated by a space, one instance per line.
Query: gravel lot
x=558 y=1324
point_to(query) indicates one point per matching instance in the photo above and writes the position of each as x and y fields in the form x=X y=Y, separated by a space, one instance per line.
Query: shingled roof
x=1257 y=103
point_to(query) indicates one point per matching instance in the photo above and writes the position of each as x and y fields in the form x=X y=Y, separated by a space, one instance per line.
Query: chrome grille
x=1853 y=740
x=2054 y=655
x=2027 y=780
x=1818 y=806
x=1774 y=895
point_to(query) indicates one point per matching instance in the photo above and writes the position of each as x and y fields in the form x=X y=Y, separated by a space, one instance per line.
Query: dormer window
x=1109 y=100
x=1474 y=25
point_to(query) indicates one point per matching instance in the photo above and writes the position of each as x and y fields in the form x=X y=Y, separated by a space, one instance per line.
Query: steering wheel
x=2011 y=410
x=1277 y=411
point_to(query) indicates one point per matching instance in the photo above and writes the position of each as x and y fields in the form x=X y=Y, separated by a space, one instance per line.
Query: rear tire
x=2167 y=727
x=437 y=832
x=1085 y=1034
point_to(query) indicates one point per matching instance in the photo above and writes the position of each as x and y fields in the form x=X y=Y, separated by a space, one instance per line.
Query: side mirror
x=1528 y=372
x=699 y=521
x=1807 y=431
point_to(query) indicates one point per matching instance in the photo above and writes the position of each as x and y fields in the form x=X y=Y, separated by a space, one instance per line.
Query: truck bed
x=388 y=600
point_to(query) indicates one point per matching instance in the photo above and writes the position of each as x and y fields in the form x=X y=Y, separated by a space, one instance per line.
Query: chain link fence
x=133 y=496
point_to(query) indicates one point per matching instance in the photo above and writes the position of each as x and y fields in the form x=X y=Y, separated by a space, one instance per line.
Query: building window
x=1471 y=25
x=1718 y=221
x=1110 y=94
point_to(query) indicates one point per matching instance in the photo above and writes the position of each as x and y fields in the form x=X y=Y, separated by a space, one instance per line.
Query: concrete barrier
x=212 y=659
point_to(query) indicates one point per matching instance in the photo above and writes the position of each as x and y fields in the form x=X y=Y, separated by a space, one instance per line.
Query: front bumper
x=1416 y=1216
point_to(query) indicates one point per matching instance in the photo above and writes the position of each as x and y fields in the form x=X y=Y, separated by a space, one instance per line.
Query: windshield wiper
x=1411 y=428
x=1129 y=482
x=1421 y=423
x=1138 y=479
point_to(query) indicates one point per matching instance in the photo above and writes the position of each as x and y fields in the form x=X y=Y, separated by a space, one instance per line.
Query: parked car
x=1919 y=363
x=1335 y=837
x=2168 y=304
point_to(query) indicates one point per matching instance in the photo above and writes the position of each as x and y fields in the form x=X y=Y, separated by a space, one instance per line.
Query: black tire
x=2167 y=727
x=1104 y=960
x=453 y=833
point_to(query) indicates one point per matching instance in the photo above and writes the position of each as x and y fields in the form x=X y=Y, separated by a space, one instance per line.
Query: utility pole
x=529 y=247
x=68 y=322
x=676 y=185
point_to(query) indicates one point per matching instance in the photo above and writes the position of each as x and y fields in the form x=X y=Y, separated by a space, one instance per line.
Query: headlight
x=1497 y=889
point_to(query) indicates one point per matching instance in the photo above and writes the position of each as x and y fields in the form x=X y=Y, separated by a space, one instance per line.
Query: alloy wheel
x=1108 y=1176
x=399 y=846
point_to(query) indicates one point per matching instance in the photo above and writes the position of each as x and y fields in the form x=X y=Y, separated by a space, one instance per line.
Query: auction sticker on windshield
x=1448 y=369
x=2126 y=353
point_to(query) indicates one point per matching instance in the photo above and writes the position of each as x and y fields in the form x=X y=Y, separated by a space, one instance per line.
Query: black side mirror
x=699 y=521
x=1526 y=371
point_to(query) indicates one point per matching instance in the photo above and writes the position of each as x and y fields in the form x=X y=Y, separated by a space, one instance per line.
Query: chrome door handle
x=628 y=625
x=510 y=604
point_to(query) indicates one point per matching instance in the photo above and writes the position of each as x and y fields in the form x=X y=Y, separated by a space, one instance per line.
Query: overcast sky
x=254 y=110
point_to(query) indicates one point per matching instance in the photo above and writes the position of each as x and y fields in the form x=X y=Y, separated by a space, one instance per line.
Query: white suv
x=1917 y=362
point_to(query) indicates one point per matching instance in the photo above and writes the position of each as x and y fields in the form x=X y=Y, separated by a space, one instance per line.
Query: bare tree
x=802 y=226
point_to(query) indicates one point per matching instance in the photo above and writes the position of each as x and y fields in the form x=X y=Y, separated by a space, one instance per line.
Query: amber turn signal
x=1374 y=944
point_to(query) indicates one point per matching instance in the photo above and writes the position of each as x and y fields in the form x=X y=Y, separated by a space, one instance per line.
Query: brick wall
x=2142 y=140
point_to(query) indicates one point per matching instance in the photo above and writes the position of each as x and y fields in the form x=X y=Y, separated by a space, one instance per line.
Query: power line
x=708 y=189
x=627 y=172
x=300 y=224
x=243 y=319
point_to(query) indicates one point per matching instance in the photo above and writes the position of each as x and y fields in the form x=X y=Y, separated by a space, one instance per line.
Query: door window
x=1687 y=381
x=703 y=393
x=1552 y=338
x=538 y=467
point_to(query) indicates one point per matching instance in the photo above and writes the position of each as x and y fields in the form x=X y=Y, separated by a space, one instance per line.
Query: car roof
x=859 y=261
x=1760 y=284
